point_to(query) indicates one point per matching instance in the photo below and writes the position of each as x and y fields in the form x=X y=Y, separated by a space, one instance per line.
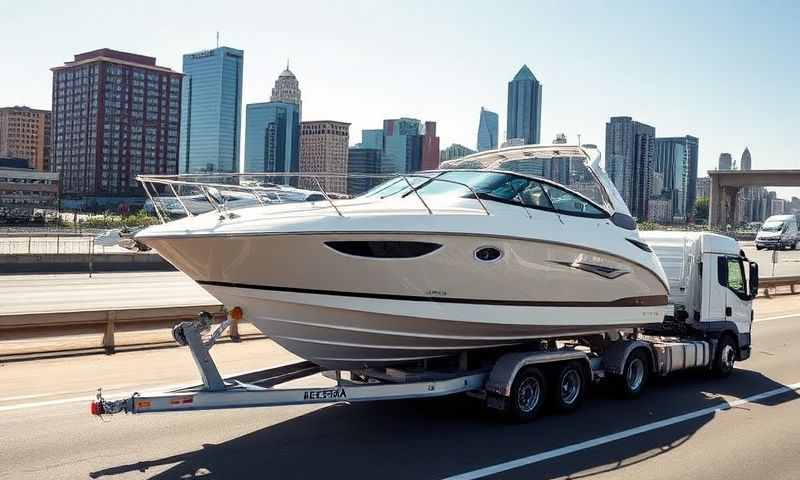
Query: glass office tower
x=211 y=111
x=272 y=137
x=524 y=107
x=487 y=130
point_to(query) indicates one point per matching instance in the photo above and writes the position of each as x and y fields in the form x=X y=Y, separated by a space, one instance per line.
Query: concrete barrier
x=82 y=262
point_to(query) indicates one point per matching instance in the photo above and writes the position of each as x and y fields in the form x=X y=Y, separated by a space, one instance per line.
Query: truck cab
x=712 y=286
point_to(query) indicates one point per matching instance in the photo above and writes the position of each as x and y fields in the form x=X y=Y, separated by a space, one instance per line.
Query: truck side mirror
x=753 y=279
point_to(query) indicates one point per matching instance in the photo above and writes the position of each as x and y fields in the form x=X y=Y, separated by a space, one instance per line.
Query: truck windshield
x=772 y=227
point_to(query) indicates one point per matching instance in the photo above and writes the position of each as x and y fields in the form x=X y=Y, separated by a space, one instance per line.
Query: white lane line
x=577 y=447
x=110 y=393
x=777 y=317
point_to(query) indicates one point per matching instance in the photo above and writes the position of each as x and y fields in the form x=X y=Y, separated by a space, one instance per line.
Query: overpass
x=725 y=185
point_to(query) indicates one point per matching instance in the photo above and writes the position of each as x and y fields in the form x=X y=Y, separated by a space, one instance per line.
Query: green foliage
x=701 y=208
x=108 y=220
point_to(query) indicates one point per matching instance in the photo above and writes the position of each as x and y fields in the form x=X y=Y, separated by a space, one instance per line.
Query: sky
x=726 y=72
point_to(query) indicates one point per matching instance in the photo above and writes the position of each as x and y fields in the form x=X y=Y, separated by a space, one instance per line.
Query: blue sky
x=723 y=71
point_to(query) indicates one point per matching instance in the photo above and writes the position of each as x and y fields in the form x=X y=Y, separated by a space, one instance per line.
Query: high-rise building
x=746 y=163
x=25 y=133
x=703 y=187
x=211 y=111
x=430 y=147
x=372 y=139
x=487 y=130
x=115 y=115
x=362 y=161
x=725 y=161
x=454 y=151
x=324 y=149
x=287 y=89
x=676 y=159
x=272 y=138
x=402 y=145
x=630 y=150
x=524 y=107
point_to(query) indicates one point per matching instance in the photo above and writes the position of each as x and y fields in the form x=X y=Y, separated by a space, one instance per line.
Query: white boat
x=468 y=257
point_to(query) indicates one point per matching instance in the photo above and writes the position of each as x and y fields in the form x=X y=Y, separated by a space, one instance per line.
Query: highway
x=685 y=426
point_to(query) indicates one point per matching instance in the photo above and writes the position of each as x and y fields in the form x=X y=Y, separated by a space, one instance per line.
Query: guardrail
x=53 y=245
x=780 y=281
x=107 y=322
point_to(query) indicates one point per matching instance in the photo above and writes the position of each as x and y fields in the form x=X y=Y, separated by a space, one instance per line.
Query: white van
x=778 y=231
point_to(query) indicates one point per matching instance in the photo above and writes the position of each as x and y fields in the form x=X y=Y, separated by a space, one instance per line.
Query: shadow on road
x=442 y=437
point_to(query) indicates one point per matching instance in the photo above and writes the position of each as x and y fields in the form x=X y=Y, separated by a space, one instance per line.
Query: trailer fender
x=617 y=353
x=505 y=369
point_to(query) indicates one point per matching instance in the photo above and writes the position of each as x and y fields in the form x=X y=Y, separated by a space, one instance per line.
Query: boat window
x=384 y=249
x=570 y=204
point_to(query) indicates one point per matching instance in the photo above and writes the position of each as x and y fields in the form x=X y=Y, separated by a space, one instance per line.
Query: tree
x=701 y=208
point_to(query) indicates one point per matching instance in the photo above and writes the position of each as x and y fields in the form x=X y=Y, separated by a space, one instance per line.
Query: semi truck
x=706 y=326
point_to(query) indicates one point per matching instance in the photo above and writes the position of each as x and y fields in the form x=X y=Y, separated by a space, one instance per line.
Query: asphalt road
x=674 y=431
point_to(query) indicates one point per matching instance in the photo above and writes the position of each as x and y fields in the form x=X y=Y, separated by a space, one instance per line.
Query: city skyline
x=587 y=83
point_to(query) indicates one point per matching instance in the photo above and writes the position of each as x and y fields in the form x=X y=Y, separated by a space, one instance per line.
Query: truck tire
x=724 y=357
x=528 y=395
x=634 y=376
x=759 y=247
x=569 y=387
x=793 y=246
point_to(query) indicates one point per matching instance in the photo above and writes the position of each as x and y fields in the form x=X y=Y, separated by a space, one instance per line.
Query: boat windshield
x=497 y=186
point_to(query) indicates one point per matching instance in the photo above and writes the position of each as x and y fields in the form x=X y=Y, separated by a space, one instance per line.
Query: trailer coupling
x=102 y=406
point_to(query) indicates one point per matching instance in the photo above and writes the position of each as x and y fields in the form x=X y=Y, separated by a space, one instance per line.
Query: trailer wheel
x=569 y=387
x=634 y=376
x=724 y=357
x=528 y=394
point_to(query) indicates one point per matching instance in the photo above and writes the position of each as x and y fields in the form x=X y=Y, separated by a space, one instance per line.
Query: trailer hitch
x=102 y=406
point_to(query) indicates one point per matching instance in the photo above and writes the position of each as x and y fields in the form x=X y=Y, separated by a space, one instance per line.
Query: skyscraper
x=676 y=159
x=725 y=161
x=211 y=111
x=272 y=138
x=25 y=133
x=630 y=150
x=430 y=147
x=524 y=107
x=487 y=130
x=372 y=139
x=402 y=145
x=323 y=149
x=747 y=161
x=287 y=89
x=115 y=115
x=365 y=161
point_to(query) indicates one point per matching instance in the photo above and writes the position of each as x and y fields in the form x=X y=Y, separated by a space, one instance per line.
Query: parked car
x=778 y=232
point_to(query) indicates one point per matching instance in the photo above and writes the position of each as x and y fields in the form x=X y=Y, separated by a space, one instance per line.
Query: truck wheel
x=634 y=376
x=793 y=246
x=528 y=394
x=758 y=247
x=724 y=357
x=569 y=387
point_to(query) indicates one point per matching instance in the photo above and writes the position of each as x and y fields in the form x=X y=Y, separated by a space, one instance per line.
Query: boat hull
x=341 y=332
x=344 y=311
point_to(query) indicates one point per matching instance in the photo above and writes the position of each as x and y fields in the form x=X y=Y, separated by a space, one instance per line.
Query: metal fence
x=54 y=245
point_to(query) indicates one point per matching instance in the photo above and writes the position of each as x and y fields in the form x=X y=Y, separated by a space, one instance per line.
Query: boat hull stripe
x=642 y=301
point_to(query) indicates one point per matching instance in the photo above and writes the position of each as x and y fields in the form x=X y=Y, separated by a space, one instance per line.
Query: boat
x=487 y=252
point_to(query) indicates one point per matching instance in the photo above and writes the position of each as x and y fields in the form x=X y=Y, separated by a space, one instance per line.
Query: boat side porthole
x=488 y=254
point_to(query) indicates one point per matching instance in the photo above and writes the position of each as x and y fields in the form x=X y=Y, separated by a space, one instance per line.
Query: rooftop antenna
x=287 y=63
x=217 y=38
x=579 y=139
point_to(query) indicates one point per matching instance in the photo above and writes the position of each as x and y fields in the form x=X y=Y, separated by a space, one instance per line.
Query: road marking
x=110 y=393
x=577 y=447
x=776 y=318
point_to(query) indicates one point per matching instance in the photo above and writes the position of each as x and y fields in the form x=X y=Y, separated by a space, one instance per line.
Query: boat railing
x=210 y=185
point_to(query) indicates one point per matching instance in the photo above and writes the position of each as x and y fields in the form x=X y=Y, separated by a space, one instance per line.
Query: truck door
x=738 y=304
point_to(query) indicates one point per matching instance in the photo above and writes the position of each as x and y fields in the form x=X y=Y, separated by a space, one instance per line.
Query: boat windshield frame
x=434 y=175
